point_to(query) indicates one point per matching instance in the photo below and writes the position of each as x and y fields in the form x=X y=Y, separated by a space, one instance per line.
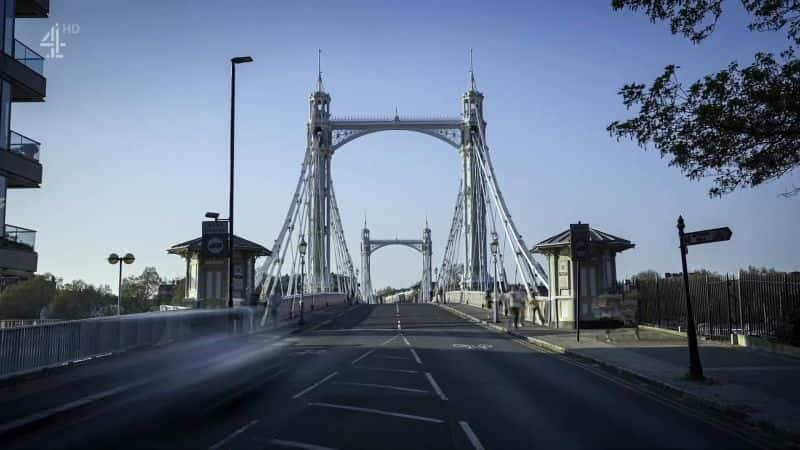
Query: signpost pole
x=578 y=301
x=695 y=368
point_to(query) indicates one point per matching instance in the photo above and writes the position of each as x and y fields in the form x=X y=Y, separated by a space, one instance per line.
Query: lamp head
x=113 y=258
x=302 y=246
x=241 y=59
x=128 y=258
x=212 y=215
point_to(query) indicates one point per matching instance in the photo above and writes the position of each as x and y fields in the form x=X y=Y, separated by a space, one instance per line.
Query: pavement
x=362 y=377
x=758 y=385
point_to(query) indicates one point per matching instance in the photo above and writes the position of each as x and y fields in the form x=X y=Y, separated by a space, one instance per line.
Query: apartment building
x=21 y=80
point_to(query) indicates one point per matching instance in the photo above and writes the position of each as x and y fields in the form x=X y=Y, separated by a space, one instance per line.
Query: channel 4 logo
x=53 y=40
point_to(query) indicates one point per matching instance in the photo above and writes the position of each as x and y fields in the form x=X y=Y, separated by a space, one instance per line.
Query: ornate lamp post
x=115 y=259
x=494 y=246
x=301 y=247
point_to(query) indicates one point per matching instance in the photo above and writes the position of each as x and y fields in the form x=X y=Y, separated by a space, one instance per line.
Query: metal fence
x=747 y=303
x=29 y=348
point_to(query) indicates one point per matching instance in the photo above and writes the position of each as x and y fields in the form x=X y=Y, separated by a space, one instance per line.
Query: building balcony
x=19 y=235
x=25 y=70
x=29 y=57
x=33 y=9
x=20 y=162
x=17 y=254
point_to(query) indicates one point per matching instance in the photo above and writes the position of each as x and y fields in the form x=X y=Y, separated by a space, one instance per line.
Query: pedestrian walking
x=517 y=302
x=273 y=302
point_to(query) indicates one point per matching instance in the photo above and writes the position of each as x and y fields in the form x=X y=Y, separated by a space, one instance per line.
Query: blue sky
x=135 y=127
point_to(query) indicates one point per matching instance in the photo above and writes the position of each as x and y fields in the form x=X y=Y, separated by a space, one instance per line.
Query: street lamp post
x=436 y=277
x=494 y=246
x=234 y=62
x=302 y=248
x=115 y=259
x=358 y=292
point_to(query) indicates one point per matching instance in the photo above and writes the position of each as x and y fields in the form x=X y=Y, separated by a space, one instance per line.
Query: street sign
x=579 y=240
x=707 y=236
x=215 y=239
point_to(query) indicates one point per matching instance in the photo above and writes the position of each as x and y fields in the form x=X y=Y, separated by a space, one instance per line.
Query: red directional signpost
x=687 y=239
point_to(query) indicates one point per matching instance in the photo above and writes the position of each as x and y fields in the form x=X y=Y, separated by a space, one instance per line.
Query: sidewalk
x=748 y=382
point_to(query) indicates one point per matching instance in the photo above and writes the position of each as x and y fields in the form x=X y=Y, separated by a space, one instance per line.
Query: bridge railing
x=29 y=348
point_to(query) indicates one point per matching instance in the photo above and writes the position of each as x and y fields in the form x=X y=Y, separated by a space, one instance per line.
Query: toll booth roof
x=239 y=245
x=596 y=236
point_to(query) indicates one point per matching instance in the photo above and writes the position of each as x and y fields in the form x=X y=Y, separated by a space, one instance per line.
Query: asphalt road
x=373 y=377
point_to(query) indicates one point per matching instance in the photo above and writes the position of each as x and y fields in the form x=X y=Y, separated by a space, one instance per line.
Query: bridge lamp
x=301 y=247
x=212 y=215
x=115 y=259
x=234 y=62
x=494 y=246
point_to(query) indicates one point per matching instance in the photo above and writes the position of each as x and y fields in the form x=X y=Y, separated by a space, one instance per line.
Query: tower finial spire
x=319 y=70
x=471 y=72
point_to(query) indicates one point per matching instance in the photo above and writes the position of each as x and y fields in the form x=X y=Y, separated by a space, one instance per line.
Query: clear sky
x=135 y=127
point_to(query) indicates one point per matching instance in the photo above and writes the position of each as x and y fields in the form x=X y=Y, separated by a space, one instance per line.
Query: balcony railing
x=23 y=145
x=20 y=235
x=27 y=56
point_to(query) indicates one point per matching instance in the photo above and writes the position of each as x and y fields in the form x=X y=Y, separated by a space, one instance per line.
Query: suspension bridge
x=480 y=215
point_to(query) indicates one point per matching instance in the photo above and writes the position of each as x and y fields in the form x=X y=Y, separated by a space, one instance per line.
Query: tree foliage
x=741 y=125
x=139 y=291
x=25 y=299
x=79 y=300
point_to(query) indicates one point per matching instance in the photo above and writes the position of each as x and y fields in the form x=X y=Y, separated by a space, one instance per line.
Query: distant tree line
x=47 y=296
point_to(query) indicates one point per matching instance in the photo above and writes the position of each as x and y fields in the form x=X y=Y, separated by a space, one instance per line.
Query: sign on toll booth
x=685 y=240
x=707 y=236
x=215 y=239
x=579 y=250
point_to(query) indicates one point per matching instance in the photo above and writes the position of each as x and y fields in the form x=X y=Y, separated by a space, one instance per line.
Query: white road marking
x=398 y=324
x=474 y=346
x=233 y=435
x=435 y=386
x=405 y=340
x=416 y=357
x=383 y=369
x=370 y=351
x=377 y=411
x=470 y=435
x=308 y=389
x=381 y=386
x=296 y=444
x=67 y=406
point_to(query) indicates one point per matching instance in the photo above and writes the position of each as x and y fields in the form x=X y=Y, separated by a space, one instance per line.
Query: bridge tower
x=319 y=208
x=427 y=266
x=366 y=278
x=474 y=207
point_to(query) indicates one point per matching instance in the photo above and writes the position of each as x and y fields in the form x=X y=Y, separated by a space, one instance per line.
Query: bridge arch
x=370 y=246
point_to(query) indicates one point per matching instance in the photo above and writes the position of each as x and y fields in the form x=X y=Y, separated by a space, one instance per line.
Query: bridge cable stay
x=531 y=270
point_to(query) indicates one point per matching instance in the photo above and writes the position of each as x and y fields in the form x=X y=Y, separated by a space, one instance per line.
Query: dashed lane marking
x=295 y=444
x=231 y=436
x=416 y=357
x=370 y=351
x=435 y=386
x=384 y=369
x=313 y=386
x=381 y=386
x=471 y=435
x=377 y=411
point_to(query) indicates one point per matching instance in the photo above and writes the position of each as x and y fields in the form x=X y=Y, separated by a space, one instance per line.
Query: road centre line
x=233 y=435
x=405 y=340
x=376 y=411
x=381 y=386
x=471 y=435
x=398 y=324
x=435 y=386
x=296 y=444
x=310 y=388
x=372 y=350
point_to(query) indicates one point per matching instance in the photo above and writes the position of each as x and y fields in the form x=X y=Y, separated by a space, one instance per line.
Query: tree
x=79 y=300
x=646 y=275
x=138 y=292
x=740 y=126
x=25 y=299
